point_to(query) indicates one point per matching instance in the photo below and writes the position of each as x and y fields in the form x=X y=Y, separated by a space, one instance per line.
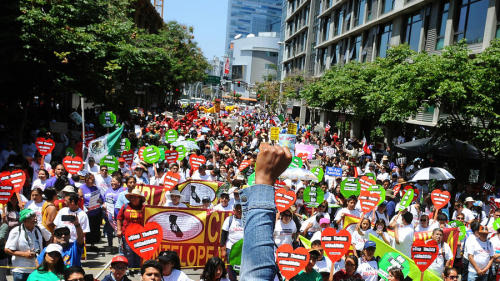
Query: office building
x=323 y=33
x=251 y=17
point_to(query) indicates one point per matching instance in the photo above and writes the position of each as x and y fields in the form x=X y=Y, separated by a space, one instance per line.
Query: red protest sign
x=366 y=182
x=244 y=164
x=144 y=240
x=291 y=262
x=303 y=156
x=440 y=198
x=423 y=253
x=140 y=153
x=415 y=191
x=279 y=184
x=336 y=244
x=6 y=192
x=284 y=199
x=171 y=180
x=196 y=161
x=171 y=156
x=128 y=156
x=368 y=200
x=73 y=164
x=15 y=178
x=44 y=146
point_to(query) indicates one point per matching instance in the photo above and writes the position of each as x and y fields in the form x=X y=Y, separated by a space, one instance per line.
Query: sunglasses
x=60 y=234
x=102 y=170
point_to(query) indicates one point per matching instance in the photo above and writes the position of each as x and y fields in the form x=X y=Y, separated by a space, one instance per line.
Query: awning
x=247 y=99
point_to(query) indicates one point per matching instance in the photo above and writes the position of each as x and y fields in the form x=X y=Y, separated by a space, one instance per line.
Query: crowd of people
x=57 y=217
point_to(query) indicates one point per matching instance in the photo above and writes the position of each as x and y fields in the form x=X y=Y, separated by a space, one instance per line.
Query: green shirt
x=311 y=276
x=43 y=275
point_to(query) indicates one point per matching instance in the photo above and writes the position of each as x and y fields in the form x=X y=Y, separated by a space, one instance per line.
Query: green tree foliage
x=391 y=89
x=94 y=48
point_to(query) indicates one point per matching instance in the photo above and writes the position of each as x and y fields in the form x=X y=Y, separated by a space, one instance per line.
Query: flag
x=277 y=120
x=450 y=235
x=105 y=145
x=383 y=248
x=366 y=149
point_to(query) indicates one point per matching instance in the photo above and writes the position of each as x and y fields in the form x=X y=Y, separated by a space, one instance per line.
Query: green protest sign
x=407 y=199
x=107 y=119
x=162 y=149
x=182 y=152
x=124 y=144
x=349 y=187
x=391 y=260
x=463 y=231
x=151 y=154
x=171 y=136
x=371 y=176
x=318 y=172
x=496 y=224
x=296 y=162
x=313 y=196
x=251 y=179
x=111 y=162
x=380 y=190
x=235 y=255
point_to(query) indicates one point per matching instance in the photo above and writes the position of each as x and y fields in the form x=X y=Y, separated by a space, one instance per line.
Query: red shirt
x=131 y=215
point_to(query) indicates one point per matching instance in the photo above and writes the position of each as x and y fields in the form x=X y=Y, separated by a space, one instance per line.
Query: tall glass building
x=252 y=16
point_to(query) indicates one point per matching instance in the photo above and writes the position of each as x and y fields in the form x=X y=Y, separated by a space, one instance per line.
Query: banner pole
x=82 y=101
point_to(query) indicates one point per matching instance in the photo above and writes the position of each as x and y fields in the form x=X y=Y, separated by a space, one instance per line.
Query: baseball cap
x=369 y=244
x=119 y=259
x=324 y=220
x=54 y=248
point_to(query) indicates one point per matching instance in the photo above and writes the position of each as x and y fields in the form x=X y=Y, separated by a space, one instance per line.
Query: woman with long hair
x=172 y=266
x=92 y=200
x=380 y=231
x=214 y=270
x=49 y=210
x=11 y=211
x=52 y=267
x=395 y=274
x=351 y=266
x=40 y=182
x=36 y=203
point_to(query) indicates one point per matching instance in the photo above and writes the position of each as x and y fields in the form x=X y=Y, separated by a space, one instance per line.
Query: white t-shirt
x=176 y=275
x=325 y=263
x=94 y=169
x=102 y=183
x=17 y=242
x=283 y=232
x=495 y=242
x=221 y=208
x=378 y=216
x=368 y=270
x=468 y=215
x=82 y=218
x=315 y=225
x=180 y=205
x=406 y=234
x=206 y=177
x=481 y=251
x=438 y=265
x=235 y=230
x=36 y=169
x=344 y=211
x=37 y=208
x=38 y=183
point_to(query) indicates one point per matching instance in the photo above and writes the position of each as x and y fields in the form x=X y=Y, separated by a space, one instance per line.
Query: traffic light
x=239 y=83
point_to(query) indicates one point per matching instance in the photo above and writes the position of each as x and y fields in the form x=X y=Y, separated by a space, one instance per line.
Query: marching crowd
x=49 y=225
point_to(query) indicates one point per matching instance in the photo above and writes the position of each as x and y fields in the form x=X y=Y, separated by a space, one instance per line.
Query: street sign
x=213 y=80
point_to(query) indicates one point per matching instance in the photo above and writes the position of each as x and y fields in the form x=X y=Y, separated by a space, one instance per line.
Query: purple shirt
x=50 y=182
x=90 y=197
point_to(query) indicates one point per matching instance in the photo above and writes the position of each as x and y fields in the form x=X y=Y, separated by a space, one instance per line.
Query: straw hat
x=135 y=192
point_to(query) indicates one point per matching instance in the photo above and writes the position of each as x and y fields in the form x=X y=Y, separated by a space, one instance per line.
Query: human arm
x=119 y=222
x=51 y=215
x=80 y=236
x=259 y=210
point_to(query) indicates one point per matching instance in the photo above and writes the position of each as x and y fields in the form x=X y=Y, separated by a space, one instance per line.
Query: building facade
x=255 y=58
x=323 y=33
x=252 y=16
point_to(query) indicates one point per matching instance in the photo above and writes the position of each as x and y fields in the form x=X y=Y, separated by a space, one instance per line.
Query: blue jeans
x=259 y=215
x=472 y=276
x=20 y=276
x=134 y=261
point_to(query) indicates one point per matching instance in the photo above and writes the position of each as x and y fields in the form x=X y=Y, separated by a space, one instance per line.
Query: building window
x=348 y=16
x=335 y=54
x=413 y=29
x=356 y=48
x=470 y=20
x=339 y=21
x=360 y=12
x=387 y=6
x=384 y=39
x=369 y=9
x=498 y=22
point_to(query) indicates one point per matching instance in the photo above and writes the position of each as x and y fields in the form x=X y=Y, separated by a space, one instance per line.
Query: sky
x=208 y=17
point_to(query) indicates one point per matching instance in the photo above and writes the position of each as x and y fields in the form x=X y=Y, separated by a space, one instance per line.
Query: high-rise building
x=252 y=16
x=322 y=33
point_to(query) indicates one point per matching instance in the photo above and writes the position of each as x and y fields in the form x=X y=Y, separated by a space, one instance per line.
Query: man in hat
x=139 y=175
x=71 y=252
x=368 y=266
x=24 y=243
x=174 y=199
x=119 y=266
x=124 y=168
x=223 y=202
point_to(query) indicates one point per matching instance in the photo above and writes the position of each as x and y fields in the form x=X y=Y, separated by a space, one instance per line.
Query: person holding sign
x=403 y=233
x=350 y=209
x=309 y=274
x=92 y=200
x=479 y=252
x=444 y=256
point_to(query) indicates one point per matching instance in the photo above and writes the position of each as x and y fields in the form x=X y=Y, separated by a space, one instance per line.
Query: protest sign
x=496 y=224
x=171 y=156
x=335 y=244
x=313 y=196
x=416 y=192
x=140 y=153
x=6 y=192
x=182 y=152
x=380 y=190
x=73 y=164
x=368 y=201
x=288 y=140
x=274 y=133
x=89 y=136
x=171 y=136
x=107 y=119
x=390 y=260
x=296 y=162
x=366 y=182
x=302 y=156
x=290 y=261
x=128 y=156
x=235 y=255
x=193 y=233
x=171 y=180
x=292 y=129
x=284 y=199
x=124 y=144
x=279 y=184
x=407 y=199
x=440 y=198
x=244 y=164
x=151 y=154
x=196 y=161
x=144 y=240
x=109 y=161
x=424 y=253
x=349 y=187
x=192 y=191
x=44 y=146
x=15 y=178
x=318 y=172
x=251 y=179
x=309 y=150
x=461 y=227
x=329 y=151
x=371 y=176
x=333 y=171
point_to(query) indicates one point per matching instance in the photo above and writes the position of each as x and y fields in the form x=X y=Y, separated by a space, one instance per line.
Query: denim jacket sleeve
x=259 y=215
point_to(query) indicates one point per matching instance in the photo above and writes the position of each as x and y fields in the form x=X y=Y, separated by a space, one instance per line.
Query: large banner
x=193 y=233
x=192 y=192
x=153 y=193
